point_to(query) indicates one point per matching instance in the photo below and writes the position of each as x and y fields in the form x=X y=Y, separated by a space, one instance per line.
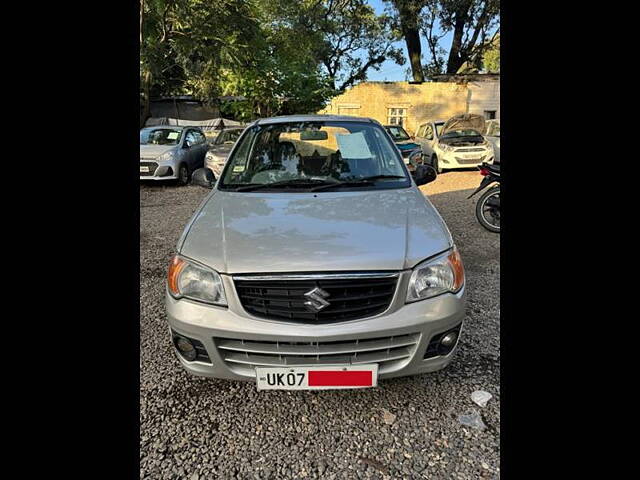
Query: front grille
x=466 y=161
x=349 y=298
x=469 y=149
x=152 y=168
x=243 y=355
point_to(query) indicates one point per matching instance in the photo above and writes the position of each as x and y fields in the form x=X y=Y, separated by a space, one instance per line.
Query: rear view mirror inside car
x=313 y=135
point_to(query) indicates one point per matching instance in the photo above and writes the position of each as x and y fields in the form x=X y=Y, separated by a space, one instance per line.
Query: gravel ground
x=197 y=428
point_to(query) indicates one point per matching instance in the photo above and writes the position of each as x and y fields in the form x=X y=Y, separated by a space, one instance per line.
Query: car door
x=422 y=140
x=201 y=149
x=429 y=140
x=191 y=152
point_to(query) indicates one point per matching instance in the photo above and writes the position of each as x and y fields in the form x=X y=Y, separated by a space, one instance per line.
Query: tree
x=346 y=37
x=408 y=12
x=491 y=59
x=469 y=22
x=184 y=43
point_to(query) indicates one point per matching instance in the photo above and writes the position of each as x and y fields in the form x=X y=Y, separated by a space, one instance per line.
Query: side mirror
x=423 y=174
x=203 y=177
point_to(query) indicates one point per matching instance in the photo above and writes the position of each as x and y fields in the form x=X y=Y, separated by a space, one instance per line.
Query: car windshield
x=314 y=155
x=398 y=134
x=229 y=136
x=160 y=136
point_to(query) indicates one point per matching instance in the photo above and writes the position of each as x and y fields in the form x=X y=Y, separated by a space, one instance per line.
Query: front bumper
x=464 y=160
x=158 y=171
x=210 y=324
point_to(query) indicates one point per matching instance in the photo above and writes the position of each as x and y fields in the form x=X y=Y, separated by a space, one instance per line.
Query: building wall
x=426 y=101
x=484 y=96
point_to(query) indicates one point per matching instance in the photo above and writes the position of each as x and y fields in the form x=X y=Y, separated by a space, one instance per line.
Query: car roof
x=168 y=127
x=172 y=127
x=311 y=118
x=401 y=126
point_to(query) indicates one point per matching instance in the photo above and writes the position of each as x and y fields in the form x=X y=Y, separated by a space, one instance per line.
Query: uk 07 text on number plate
x=317 y=378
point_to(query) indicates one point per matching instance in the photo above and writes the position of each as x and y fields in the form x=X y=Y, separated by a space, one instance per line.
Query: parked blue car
x=410 y=150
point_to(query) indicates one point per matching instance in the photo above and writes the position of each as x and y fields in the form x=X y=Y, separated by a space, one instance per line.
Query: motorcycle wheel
x=488 y=216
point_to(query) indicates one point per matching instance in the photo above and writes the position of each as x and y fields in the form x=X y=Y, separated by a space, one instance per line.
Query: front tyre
x=435 y=164
x=488 y=210
x=183 y=174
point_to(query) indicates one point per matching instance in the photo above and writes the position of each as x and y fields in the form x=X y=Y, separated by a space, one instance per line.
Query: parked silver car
x=493 y=135
x=315 y=262
x=171 y=152
x=220 y=148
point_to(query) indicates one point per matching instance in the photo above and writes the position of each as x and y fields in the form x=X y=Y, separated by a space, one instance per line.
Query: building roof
x=461 y=77
x=310 y=118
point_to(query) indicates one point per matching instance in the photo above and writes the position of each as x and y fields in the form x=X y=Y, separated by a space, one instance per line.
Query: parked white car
x=493 y=135
x=456 y=143
x=218 y=153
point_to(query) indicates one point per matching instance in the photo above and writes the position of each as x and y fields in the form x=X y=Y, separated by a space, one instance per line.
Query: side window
x=191 y=138
x=428 y=132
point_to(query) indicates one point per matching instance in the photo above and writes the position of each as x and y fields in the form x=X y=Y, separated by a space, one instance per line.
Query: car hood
x=407 y=145
x=471 y=121
x=262 y=232
x=154 y=151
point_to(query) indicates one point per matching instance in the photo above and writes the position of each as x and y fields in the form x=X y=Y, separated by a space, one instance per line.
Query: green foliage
x=491 y=59
x=282 y=56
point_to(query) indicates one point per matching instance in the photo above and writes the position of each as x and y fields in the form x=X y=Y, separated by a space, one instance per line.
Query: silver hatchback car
x=315 y=262
x=171 y=152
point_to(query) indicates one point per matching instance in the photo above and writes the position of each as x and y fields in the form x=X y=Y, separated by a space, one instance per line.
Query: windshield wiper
x=296 y=182
x=362 y=182
x=381 y=177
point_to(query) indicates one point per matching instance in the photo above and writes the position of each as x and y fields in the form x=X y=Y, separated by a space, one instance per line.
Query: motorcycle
x=488 y=206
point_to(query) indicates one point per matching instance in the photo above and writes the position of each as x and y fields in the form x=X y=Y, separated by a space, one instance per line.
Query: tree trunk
x=455 y=60
x=408 y=11
x=412 y=37
x=141 y=18
x=146 y=98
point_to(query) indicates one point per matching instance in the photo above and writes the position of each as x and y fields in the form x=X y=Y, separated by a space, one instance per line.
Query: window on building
x=489 y=114
x=396 y=116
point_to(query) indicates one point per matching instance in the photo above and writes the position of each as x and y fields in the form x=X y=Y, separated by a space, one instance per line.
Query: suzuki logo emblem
x=316 y=300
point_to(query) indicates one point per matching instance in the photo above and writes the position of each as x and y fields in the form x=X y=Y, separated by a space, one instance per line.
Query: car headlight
x=165 y=157
x=444 y=147
x=189 y=280
x=442 y=274
x=209 y=156
x=416 y=156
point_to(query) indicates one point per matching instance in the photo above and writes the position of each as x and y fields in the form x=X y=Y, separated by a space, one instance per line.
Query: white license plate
x=144 y=169
x=317 y=378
